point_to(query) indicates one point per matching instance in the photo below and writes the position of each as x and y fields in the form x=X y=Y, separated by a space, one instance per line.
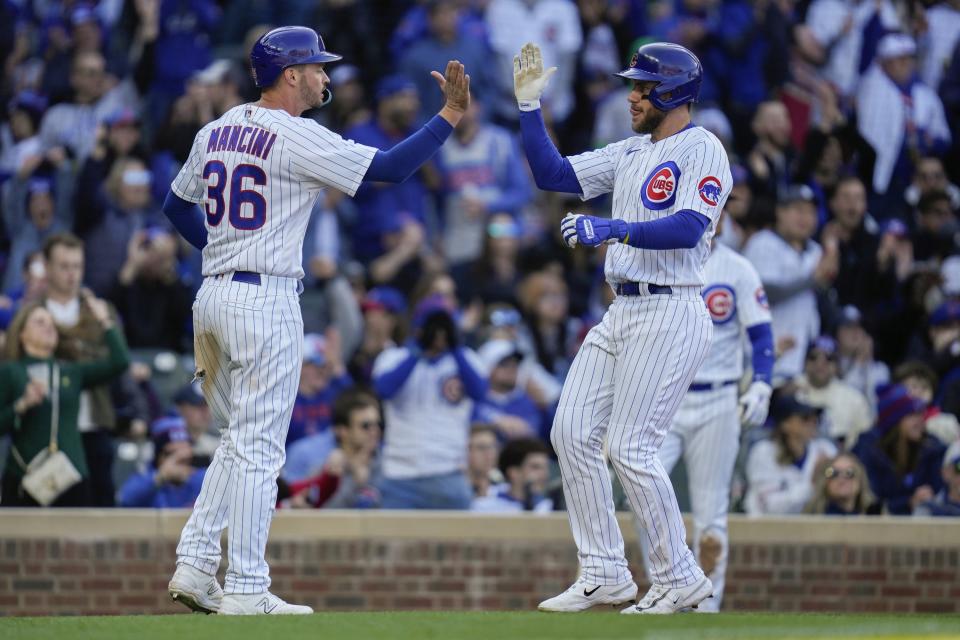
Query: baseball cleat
x=664 y=600
x=195 y=589
x=259 y=604
x=581 y=596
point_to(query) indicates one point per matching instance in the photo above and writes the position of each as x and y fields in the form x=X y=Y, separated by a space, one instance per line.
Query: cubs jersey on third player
x=688 y=170
x=736 y=301
x=259 y=172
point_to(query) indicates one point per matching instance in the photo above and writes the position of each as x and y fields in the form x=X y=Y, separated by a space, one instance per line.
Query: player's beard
x=650 y=121
x=309 y=97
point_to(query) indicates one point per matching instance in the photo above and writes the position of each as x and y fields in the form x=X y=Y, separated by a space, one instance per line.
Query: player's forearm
x=187 y=219
x=551 y=171
x=763 y=356
x=681 y=230
x=408 y=155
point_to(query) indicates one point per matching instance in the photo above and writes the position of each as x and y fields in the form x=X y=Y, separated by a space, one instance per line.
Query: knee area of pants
x=711 y=550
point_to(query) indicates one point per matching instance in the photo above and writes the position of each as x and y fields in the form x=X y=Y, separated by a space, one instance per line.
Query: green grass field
x=482 y=626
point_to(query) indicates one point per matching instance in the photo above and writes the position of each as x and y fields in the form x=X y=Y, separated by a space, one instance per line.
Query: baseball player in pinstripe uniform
x=706 y=429
x=669 y=185
x=258 y=171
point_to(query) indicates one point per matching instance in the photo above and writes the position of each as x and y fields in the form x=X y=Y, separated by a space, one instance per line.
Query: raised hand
x=455 y=84
x=529 y=78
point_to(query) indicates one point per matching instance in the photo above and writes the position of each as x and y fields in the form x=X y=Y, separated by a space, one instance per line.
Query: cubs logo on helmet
x=721 y=303
x=659 y=190
x=710 y=190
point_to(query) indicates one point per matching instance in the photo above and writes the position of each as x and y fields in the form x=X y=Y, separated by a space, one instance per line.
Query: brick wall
x=102 y=563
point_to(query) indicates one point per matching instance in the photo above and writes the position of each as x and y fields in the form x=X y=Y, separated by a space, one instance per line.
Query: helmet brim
x=638 y=74
x=323 y=56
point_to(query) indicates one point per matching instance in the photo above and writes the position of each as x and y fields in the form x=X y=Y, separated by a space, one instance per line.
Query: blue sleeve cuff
x=408 y=155
x=681 y=230
x=187 y=219
x=761 y=337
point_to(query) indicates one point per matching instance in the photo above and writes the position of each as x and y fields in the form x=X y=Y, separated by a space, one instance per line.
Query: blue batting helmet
x=675 y=69
x=284 y=47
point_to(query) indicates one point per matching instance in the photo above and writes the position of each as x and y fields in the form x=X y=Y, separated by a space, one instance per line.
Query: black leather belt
x=634 y=288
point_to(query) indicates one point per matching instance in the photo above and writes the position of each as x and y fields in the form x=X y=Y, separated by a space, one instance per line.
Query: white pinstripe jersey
x=688 y=170
x=259 y=172
x=736 y=300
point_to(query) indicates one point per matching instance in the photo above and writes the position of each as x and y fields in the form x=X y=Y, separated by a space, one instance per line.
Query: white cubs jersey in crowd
x=736 y=301
x=258 y=172
x=651 y=180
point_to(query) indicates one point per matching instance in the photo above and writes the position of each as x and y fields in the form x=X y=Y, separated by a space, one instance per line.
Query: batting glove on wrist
x=529 y=78
x=591 y=231
x=755 y=403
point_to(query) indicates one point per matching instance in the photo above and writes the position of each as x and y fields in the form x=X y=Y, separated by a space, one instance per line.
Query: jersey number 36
x=216 y=206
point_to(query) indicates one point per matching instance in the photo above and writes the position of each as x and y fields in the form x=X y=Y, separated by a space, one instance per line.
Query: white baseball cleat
x=195 y=589
x=663 y=600
x=581 y=596
x=259 y=604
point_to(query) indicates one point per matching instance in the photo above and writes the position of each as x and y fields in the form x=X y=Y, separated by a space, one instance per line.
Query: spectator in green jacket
x=27 y=390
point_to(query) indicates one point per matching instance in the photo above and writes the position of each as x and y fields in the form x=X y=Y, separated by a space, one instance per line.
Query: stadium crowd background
x=842 y=119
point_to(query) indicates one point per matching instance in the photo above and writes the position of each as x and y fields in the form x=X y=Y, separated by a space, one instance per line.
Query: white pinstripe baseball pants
x=706 y=432
x=625 y=386
x=249 y=346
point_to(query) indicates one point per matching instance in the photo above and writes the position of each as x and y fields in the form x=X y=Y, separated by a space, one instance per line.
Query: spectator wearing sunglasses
x=842 y=489
x=902 y=459
x=947 y=502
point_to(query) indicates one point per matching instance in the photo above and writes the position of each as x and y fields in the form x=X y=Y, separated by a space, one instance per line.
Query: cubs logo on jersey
x=710 y=190
x=761 y=297
x=659 y=190
x=451 y=388
x=721 y=303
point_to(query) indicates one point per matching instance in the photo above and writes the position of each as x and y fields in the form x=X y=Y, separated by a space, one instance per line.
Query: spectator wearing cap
x=947 y=502
x=934 y=237
x=901 y=458
x=20 y=146
x=525 y=465
x=171 y=481
x=921 y=382
x=856 y=363
x=943 y=355
x=442 y=42
x=322 y=378
x=771 y=160
x=428 y=388
x=793 y=269
x=942 y=35
x=901 y=117
x=508 y=406
x=846 y=411
x=842 y=489
x=481 y=174
x=81 y=32
x=483 y=450
x=382 y=308
x=781 y=471
x=192 y=407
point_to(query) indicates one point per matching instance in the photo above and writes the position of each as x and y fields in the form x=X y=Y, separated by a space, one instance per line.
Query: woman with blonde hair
x=841 y=489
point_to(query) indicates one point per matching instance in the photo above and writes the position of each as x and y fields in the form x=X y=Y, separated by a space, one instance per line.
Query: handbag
x=51 y=472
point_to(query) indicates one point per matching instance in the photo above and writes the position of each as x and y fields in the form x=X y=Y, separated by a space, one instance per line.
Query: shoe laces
x=655 y=593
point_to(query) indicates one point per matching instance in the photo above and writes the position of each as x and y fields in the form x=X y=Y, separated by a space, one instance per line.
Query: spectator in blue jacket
x=508 y=406
x=171 y=482
x=947 y=502
x=902 y=460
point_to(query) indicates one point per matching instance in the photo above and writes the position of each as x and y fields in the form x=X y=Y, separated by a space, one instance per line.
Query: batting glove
x=529 y=78
x=755 y=403
x=592 y=231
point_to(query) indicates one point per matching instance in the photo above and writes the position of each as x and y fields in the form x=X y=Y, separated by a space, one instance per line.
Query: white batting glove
x=568 y=228
x=754 y=404
x=529 y=78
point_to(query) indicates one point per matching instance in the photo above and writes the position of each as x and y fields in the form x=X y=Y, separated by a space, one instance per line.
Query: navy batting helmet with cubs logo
x=285 y=47
x=675 y=69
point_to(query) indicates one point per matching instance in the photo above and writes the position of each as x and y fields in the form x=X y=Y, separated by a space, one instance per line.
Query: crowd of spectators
x=443 y=313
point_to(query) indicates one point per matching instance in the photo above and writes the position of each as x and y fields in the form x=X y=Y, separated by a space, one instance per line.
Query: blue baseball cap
x=945 y=314
x=787 y=406
x=315 y=349
x=384 y=298
x=430 y=305
x=392 y=85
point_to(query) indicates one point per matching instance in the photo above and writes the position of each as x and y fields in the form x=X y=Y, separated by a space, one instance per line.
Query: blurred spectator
x=781 y=471
x=736 y=230
x=525 y=465
x=350 y=108
x=481 y=175
x=943 y=332
x=935 y=237
x=508 y=406
x=856 y=364
x=34 y=287
x=493 y=277
x=555 y=26
x=149 y=295
x=901 y=118
x=36 y=388
x=842 y=489
x=771 y=160
x=439 y=44
x=381 y=307
x=428 y=389
x=20 y=145
x=930 y=176
x=192 y=407
x=482 y=453
x=947 y=502
x=942 y=35
x=902 y=460
x=846 y=412
x=921 y=383
x=545 y=302
x=792 y=268
x=171 y=481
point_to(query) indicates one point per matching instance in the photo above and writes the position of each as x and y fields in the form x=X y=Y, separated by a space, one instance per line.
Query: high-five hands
x=529 y=78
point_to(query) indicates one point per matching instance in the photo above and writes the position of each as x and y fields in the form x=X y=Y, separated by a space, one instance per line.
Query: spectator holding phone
x=172 y=481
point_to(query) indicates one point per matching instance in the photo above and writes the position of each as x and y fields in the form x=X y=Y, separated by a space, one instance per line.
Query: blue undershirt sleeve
x=681 y=230
x=473 y=383
x=187 y=218
x=761 y=337
x=408 y=155
x=388 y=384
x=551 y=171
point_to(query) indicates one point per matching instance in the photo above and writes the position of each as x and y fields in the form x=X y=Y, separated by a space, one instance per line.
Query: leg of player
x=666 y=340
x=710 y=457
x=577 y=436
